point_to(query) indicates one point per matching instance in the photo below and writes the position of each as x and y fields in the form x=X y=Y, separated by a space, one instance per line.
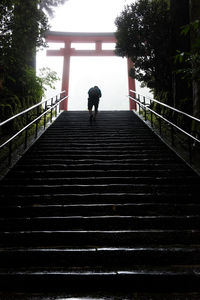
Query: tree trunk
x=196 y=99
x=25 y=31
x=180 y=17
x=194 y=15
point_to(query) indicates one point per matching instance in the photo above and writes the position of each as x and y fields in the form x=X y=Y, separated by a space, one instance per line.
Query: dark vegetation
x=164 y=45
x=22 y=31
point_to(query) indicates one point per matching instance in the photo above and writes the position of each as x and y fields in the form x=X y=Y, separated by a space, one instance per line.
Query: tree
x=189 y=63
x=195 y=41
x=143 y=34
x=31 y=22
x=23 y=25
x=48 y=5
x=182 y=92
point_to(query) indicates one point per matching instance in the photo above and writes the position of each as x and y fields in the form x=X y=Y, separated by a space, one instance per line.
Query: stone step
x=113 y=222
x=100 y=180
x=99 y=238
x=101 y=166
x=99 y=257
x=70 y=173
x=96 y=157
x=178 y=278
x=103 y=148
x=98 y=139
x=145 y=209
x=153 y=188
x=136 y=200
x=81 y=161
x=95 y=145
x=103 y=295
x=64 y=151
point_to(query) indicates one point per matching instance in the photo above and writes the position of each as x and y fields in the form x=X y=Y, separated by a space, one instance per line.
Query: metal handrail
x=170 y=107
x=137 y=99
x=26 y=110
x=174 y=125
x=54 y=104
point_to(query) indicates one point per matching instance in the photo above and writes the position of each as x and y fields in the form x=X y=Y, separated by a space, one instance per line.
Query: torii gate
x=83 y=37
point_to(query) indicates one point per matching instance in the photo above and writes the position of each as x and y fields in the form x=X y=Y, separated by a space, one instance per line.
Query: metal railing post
x=10 y=153
x=45 y=116
x=172 y=135
x=139 y=103
x=56 y=112
x=36 y=127
x=145 y=111
x=190 y=149
x=151 y=114
x=51 y=109
x=26 y=133
x=28 y=123
x=59 y=109
x=160 y=121
x=173 y=126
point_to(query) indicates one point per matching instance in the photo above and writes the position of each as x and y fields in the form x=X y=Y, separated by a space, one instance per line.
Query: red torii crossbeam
x=83 y=37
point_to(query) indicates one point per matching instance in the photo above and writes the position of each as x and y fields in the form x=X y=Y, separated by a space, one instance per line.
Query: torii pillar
x=83 y=37
x=65 y=75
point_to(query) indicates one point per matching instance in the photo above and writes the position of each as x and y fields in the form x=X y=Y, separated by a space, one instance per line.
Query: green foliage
x=23 y=25
x=193 y=26
x=188 y=63
x=22 y=29
x=48 y=4
x=31 y=85
x=143 y=34
x=48 y=77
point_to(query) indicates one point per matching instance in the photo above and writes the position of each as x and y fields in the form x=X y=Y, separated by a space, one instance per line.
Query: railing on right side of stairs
x=164 y=120
x=48 y=108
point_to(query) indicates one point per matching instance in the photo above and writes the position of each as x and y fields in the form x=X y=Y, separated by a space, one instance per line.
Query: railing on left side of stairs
x=153 y=110
x=48 y=107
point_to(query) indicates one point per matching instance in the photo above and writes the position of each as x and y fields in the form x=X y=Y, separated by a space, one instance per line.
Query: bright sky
x=88 y=15
x=109 y=73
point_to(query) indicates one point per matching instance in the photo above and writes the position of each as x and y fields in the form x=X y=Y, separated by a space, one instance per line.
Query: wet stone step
x=137 y=144
x=111 y=238
x=153 y=188
x=110 y=152
x=96 y=145
x=169 y=173
x=96 y=140
x=100 y=223
x=103 y=295
x=106 y=147
x=134 y=199
x=99 y=180
x=144 y=279
x=96 y=158
x=146 y=209
x=99 y=257
x=94 y=161
x=101 y=166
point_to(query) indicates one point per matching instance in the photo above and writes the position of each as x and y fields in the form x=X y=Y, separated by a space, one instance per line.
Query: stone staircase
x=100 y=207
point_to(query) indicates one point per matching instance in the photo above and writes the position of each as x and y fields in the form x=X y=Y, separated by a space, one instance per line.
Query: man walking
x=93 y=100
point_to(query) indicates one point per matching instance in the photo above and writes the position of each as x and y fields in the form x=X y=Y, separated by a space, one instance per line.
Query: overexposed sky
x=88 y=15
x=109 y=73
